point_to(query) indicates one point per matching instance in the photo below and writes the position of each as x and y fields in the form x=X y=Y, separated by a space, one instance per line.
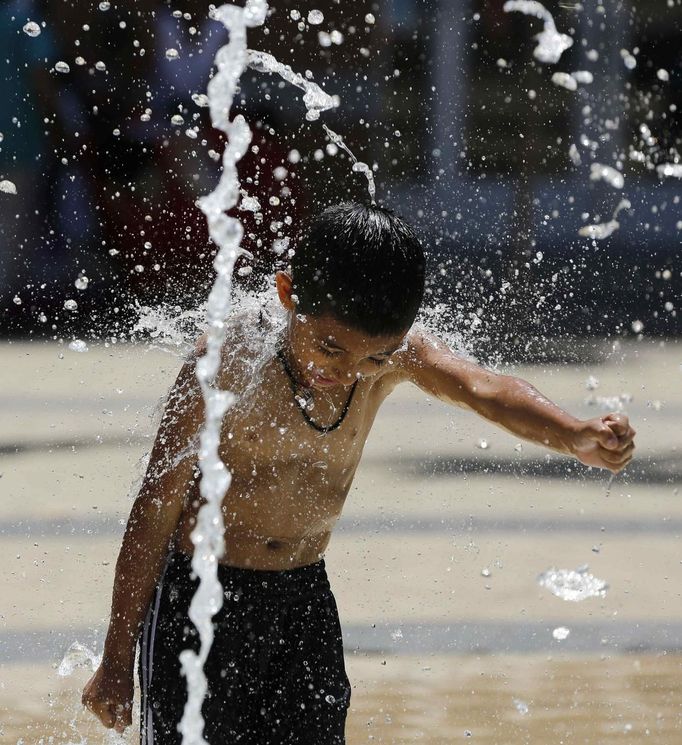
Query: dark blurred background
x=470 y=138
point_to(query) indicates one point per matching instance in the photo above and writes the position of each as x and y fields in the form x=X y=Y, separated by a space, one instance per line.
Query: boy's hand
x=109 y=696
x=605 y=442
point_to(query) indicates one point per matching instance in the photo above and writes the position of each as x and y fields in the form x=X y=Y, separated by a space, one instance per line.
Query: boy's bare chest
x=272 y=437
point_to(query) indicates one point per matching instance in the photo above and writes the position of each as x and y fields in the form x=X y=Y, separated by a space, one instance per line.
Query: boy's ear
x=285 y=289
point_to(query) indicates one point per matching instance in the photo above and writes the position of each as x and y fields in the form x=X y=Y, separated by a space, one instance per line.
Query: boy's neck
x=294 y=370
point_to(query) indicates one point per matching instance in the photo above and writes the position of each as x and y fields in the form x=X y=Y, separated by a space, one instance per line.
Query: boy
x=293 y=442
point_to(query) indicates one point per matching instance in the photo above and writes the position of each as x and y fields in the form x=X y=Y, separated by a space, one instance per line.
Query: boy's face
x=327 y=352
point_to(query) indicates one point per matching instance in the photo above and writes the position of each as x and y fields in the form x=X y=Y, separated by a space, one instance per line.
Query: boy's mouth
x=322 y=381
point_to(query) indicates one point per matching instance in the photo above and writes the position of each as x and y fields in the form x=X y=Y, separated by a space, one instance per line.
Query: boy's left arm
x=515 y=405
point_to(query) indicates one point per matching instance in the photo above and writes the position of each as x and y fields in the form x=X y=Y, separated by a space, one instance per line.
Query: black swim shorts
x=275 y=671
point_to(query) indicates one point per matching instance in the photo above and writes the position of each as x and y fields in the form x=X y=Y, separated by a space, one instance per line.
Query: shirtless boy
x=293 y=442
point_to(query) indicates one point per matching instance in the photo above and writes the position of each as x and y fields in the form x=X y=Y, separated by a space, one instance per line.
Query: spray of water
x=550 y=43
x=358 y=166
x=573 y=585
x=226 y=232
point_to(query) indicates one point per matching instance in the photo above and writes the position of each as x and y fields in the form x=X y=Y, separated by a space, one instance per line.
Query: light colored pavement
x=437 y=554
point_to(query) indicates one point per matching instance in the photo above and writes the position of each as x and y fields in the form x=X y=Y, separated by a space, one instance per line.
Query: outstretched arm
x=515 y=405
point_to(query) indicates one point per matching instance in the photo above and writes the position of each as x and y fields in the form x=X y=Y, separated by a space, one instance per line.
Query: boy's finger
x=124 y=717
x=618 y=423
x=107 y=716
x=607 y=438
x=625 y=453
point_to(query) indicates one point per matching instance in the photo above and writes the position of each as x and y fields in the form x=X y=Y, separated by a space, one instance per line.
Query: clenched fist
x=109 y=696
x=605 y=442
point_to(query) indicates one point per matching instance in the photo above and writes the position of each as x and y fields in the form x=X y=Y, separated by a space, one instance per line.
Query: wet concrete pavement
x=434 y=564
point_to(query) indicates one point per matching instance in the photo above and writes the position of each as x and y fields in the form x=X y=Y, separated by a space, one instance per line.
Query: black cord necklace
x=300 y=391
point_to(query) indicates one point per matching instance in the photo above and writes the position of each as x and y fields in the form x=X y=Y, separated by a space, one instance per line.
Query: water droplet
x=294 y=156
x=370 y=19
x=591 y=383
x=62 y=67
x=177 y=120
x=191 y=133
x=608 y=174
x=70 y=305
x=330 y=699
x=637 y=327
x=8 y=187
x=77 y=345
x=560 y=633
x=295 y=15
x=660 y=74
x=482 y=444
x=573 y=585
x=82 y=283
x=315 y=17
x=200 y=99
x=79 y=61
x=32 y=29
x=78 y=655
x=100 y=66
x=172 y=54
x=324 y=39
x=16 y=300
x=105 y=5
x=485 y=572
x=177 y=14
x=521 y=706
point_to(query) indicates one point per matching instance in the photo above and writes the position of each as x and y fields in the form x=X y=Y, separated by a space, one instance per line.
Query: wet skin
x=289 y=480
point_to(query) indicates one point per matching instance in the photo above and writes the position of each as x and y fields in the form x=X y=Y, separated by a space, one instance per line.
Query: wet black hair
x=362 y=265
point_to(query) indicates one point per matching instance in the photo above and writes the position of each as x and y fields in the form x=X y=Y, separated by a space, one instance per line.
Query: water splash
x=358 y=166
x=32 y=29
x=550 y=43
x=77 y=656
x=573 y=585
x=565 y=80
x=600 y=172
x=560 y=633
x=520 y=706
x=226 y=232
x=665 y=170
x=315 y=17
x=314 y=99
x=570 y=80
x=603 y=230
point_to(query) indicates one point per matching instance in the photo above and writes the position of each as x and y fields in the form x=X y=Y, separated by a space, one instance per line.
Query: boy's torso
x=289 y=481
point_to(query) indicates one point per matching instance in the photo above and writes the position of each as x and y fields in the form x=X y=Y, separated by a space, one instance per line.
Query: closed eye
x=329 y=352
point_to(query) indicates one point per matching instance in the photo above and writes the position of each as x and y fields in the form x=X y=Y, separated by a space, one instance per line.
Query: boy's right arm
x=146 y=542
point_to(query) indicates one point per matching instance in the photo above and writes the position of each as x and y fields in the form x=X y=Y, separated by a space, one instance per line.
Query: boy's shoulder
x=250 y=340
